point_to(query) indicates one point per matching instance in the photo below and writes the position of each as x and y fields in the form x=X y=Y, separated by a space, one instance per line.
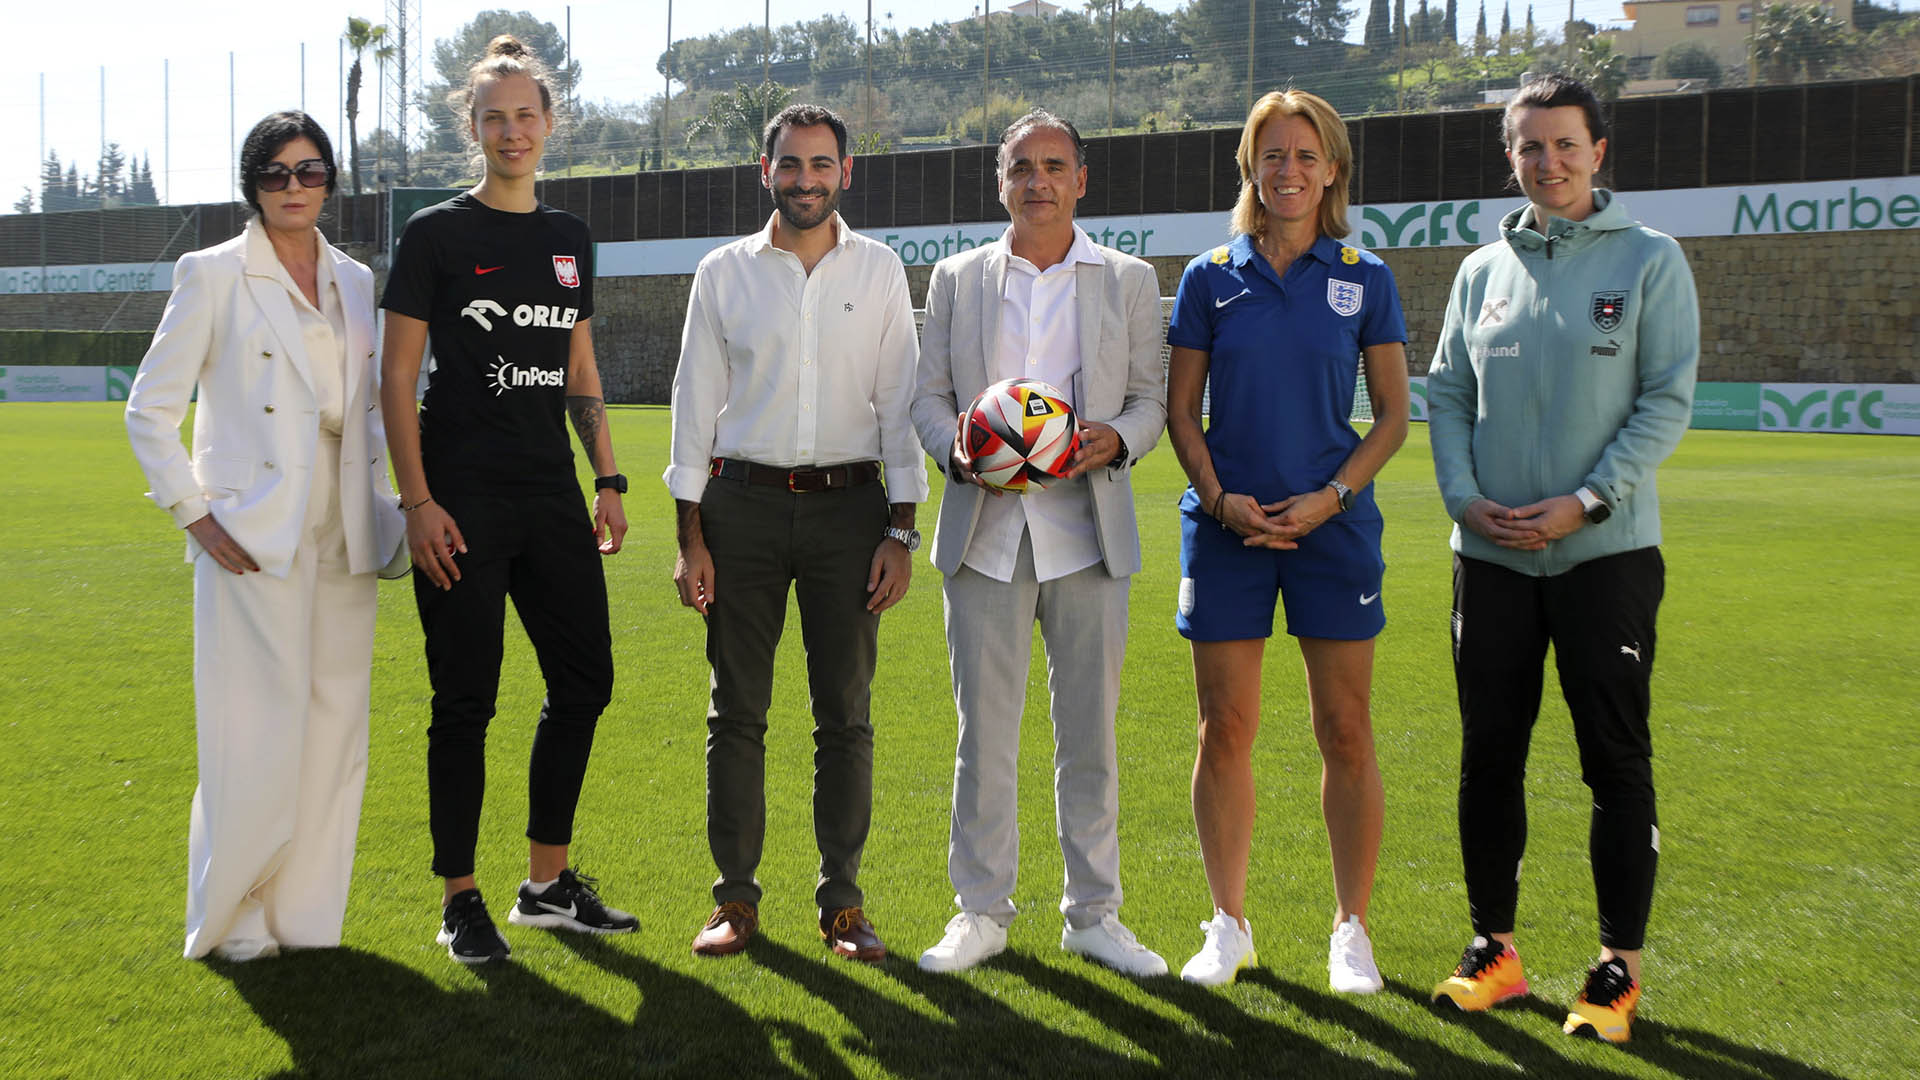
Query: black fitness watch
x=617 y=482
x=1592 y=506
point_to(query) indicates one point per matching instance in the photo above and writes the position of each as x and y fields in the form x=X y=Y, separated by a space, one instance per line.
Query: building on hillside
x=1723 y=26
x=1026 y=9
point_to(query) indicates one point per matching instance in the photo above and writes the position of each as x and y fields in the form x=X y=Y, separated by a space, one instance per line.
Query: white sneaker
x=1350 y=966
x=1228 y=948
x=971 y=937
x=1112 y=944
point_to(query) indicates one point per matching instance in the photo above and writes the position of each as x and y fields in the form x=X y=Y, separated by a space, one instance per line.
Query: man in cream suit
x=1043 y=302
x=288 y=514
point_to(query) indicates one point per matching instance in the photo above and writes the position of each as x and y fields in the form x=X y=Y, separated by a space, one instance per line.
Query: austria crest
x=1344 y=296
x=566 y=271
x=1608 y=309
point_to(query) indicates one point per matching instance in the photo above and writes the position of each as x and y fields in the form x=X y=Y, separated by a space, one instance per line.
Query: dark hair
x=506 y=55
x=269 y=137
x=1553 y=91
x=804 y=116
x=1040 y=118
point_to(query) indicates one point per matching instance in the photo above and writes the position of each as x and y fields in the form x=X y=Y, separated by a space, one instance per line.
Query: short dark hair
x=804 y=116
x=1553 y=91
x=1040 y=118
x=269 y=137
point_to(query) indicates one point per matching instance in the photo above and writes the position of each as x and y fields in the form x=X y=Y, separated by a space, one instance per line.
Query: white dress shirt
x=1039 y=338
x=787 y=368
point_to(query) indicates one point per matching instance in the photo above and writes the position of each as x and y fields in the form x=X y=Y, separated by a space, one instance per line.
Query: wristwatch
x=1345 y=494
x=909 y=538
x=617 y=482
x=1595 y=509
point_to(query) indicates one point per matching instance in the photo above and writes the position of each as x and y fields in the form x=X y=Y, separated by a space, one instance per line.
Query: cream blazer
x=230 y=329
x=1120 y=383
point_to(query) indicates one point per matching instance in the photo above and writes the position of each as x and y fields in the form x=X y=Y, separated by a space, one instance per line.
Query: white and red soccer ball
x=1019 y=435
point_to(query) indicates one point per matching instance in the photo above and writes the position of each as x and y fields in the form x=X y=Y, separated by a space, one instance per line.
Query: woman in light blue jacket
x=1564 y=376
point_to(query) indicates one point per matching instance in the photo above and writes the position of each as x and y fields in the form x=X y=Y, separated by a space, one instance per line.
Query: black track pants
x=540 y=551
x=1599 y=616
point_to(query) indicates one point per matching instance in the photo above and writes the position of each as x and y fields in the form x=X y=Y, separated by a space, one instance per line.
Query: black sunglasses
x=274 y=176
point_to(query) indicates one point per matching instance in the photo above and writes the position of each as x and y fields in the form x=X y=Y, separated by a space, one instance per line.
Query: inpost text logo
x=505 y=375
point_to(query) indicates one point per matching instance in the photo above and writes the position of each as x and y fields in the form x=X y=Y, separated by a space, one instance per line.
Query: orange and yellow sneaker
x=1605 y=1008
x=1489 y=973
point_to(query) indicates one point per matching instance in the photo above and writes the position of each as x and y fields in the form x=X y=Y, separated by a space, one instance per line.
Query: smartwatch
x=1592 y=506
x=617 y=482
x=910 y=538
x=1345 y=494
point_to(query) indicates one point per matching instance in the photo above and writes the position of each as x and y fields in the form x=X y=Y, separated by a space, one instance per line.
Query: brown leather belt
x=824 y=478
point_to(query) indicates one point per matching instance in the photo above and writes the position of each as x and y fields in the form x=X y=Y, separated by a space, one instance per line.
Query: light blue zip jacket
x=1567 y=359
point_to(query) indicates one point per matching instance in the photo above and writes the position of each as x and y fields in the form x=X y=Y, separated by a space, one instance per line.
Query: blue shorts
x=1330 y=583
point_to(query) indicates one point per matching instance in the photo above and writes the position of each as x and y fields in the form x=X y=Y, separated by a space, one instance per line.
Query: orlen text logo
x=484 y=311
x=1820 y=410
x=1420 y=225
x=506 y=376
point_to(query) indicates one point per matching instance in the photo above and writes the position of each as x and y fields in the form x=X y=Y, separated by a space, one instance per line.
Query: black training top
x=500 y=293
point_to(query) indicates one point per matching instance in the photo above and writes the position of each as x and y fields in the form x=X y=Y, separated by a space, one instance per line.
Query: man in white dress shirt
x=789 y=405
x=1043 y=302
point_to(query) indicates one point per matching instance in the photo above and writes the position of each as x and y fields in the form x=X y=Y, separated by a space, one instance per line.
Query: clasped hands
x=1277 y=525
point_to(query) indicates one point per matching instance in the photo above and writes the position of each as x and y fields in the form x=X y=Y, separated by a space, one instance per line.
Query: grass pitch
x=1785 y=735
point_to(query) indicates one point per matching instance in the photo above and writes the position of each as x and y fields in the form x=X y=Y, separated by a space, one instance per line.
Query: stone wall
x=1823 y=307
x=1819 y=307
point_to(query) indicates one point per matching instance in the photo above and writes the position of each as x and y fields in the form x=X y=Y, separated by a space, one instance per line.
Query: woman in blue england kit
x=504 y=288
x=1280 y=505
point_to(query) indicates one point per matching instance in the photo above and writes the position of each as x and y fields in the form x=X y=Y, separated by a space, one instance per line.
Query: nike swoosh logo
x=1223 y=303
x=1365 y=600
x=478 y=269
x=571 y=910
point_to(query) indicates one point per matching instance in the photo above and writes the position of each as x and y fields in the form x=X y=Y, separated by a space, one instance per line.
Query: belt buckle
x=791 y=486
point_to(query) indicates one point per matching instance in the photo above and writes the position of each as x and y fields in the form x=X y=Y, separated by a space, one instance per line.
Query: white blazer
x=230 y=329
x=1120 y=383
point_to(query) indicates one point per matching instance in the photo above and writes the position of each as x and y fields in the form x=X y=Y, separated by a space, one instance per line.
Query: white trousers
x=281 y=674
x=1083 y=622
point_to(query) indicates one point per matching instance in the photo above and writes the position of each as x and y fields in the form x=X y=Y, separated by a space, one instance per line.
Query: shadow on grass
x=1686 y=1052
x=978 y=1036
x=349 y=1013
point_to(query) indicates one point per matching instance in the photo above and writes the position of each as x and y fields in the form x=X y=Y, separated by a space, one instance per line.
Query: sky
x=166 y=73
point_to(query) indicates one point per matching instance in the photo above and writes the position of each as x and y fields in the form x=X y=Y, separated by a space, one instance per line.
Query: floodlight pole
x=986 y=70
x=1113 y=17
x=1252 y=6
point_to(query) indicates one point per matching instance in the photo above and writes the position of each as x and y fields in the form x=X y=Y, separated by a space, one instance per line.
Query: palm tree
x=361 y=35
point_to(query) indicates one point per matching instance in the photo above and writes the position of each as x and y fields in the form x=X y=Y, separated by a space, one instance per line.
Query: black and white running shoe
x=468 y=931
x=570 y=903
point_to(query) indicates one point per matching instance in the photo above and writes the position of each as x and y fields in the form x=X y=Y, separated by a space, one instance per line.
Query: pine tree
x=1480 y=31
x=109 y=182
x=1506 y=27
x=24 y=204
x=1452 y=26
x=1379 y=36
x=51 y=184
x=1400 y=21
x=140 y=191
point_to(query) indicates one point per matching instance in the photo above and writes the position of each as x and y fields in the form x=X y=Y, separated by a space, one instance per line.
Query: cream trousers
x=281 y=674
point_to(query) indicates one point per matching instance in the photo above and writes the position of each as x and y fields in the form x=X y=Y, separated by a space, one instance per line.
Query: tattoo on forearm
x=589 y=416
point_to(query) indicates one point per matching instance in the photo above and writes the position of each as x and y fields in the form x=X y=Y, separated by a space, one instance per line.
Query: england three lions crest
x=1608 y=309
x=566 y=271
x=1344 y=296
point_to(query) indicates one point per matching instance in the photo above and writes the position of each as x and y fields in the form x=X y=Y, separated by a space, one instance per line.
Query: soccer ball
x=1020 y=435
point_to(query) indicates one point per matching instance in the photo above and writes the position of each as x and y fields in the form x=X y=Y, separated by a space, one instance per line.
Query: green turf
x=1783 y=925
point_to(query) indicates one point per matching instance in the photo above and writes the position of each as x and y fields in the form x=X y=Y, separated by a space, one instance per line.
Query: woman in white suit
x=289 y=515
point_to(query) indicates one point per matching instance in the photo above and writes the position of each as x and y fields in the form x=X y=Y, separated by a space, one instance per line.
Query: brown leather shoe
x=849 y=934
x=728 y=929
